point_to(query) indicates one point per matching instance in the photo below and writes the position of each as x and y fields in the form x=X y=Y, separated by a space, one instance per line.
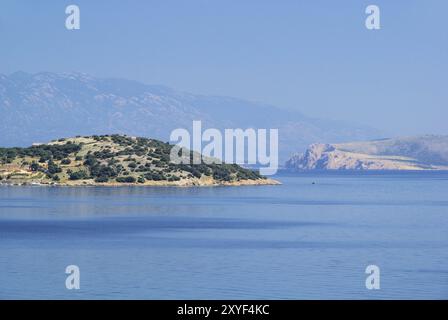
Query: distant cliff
x=429 y=152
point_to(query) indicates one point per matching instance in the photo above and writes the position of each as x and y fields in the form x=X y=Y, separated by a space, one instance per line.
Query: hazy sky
x=313 y=56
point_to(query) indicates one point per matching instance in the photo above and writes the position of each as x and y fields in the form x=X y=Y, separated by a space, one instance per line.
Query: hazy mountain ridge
x=428 y=152
x=44 y=106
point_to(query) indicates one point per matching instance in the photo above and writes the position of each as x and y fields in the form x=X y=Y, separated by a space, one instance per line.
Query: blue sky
x=313 y=56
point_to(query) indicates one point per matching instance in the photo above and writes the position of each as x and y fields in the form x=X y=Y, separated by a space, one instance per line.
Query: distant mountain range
x=428 y=152
x=44 y=106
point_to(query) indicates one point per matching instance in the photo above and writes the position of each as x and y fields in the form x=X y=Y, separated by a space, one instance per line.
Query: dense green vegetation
x=43 y=152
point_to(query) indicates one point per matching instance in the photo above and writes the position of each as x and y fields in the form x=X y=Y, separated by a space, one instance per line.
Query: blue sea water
x=310 y=238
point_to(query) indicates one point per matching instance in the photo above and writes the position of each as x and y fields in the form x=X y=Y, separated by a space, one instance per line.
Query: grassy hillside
x=112 y=160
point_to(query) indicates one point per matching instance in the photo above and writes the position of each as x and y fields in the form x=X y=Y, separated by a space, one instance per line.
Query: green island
x=114 y=160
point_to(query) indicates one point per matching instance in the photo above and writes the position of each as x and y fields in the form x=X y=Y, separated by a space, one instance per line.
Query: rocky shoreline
x=186 y=184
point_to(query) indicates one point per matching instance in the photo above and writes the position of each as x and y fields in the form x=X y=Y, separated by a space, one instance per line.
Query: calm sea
x=311 y=237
